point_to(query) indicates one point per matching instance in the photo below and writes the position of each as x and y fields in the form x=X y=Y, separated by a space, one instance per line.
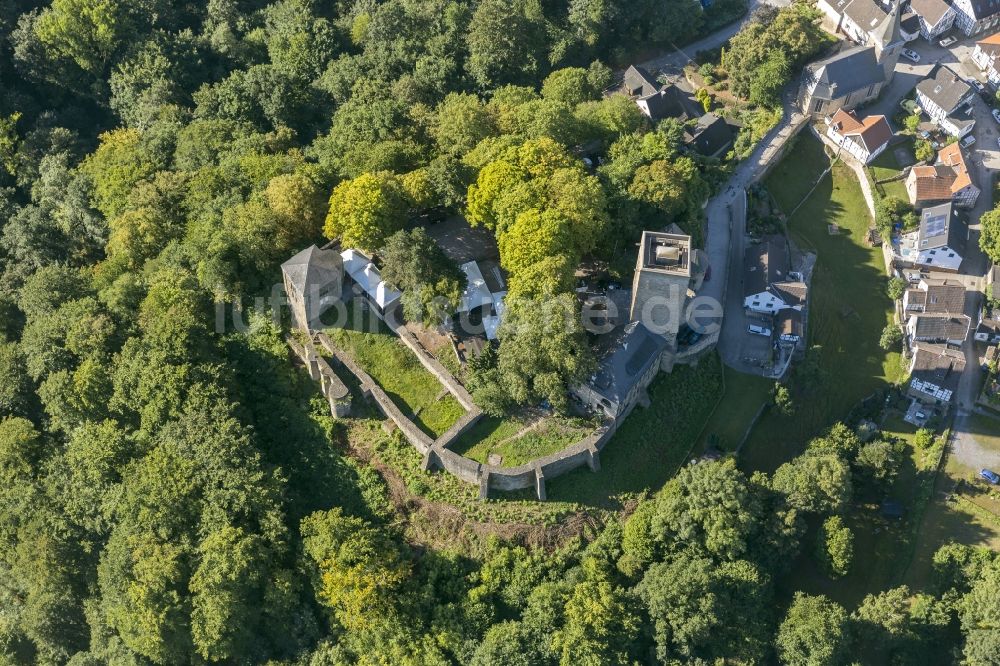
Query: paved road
x=677 y=58
x=726 y=236
x=984 y=161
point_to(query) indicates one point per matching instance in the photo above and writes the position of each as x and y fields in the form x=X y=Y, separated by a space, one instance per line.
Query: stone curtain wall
x=437 y=455
x=333 y=389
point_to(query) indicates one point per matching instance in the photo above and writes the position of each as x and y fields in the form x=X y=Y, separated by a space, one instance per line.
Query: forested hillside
x=169 y=489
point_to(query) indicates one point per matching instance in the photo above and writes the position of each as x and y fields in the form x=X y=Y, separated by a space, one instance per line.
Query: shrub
x=891 y=336
x=835 y=547
x=923 y=150
x=896 y=288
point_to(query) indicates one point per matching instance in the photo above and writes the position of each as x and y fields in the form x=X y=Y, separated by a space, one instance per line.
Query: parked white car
x=759 y=330
x=996 y=114
x=947 y=41
x=912 y=55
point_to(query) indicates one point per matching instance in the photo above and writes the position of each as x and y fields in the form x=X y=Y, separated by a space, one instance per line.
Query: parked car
x=759 y=330
x=968 y=141
x=947 y=41
x=980 y=88
x=996 y=114
x=708 y=274
x=911 y=55
x=990 y=476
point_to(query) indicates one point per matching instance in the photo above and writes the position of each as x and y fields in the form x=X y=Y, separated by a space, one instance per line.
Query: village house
x=658 y=102
x=975 y=16
x=947 y=99
x=711 y=136
x=988 y=325
x=947 y=328
x=936 y=244
x=855 y=75
x=864 y=139
x=934 y=296
x=482 y=305
x=768 y=285
x=935 y=371
x=947 y=180
x=909 y=27
x=368 y=284
x=936 y=17
x=985 y=58
x=313 y=281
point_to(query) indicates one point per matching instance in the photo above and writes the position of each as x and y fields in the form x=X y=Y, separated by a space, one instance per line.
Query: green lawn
x=744 y=396
x=414 y=390
x=848 y=304
x=520 y=438
x=652 y=443
x=887 y=165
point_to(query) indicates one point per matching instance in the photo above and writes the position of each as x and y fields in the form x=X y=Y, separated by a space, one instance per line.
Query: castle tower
x=887 y=38
x=660 y=286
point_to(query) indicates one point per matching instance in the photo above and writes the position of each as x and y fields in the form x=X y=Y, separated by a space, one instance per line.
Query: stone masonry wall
x=437 y=455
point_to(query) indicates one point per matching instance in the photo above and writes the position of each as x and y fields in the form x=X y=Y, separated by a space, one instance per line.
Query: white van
x=759 y=330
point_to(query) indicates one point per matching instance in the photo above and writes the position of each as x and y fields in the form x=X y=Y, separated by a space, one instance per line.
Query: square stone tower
x=661 y=282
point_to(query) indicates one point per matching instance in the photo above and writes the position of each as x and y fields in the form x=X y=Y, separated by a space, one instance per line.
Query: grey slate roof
x=711 y=136
x=991 y=321
x=910 y=23
x=944 y=87
x=847 y=71
x=888 y=32
x=938 y=364
x=672 y=102
x=313 y=266
x=618 y=372
x=944 y=296
x=941 y=326
x=638 y=81
x=764 y=263
x=984 y=8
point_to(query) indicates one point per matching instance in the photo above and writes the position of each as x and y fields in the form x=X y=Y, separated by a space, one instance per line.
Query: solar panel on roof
x=936 y=225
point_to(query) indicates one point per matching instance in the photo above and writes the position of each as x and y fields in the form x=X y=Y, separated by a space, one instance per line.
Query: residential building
x=853 y=76
x=934 y=373
x=656 y=101
x=859 y=18
x=947 y=99
x=985 y=58
x=368 y=284
x=947 y=180
x=864 y=139
x=936 y=244
x=934 y=296
x=711 y=136
x=936 y=17
x=975 y=16
x=988 y=325
x=313 y=281
x=788 y=326
x=623 y=373
x=661 y=282
x=768 y=285
x=939 y=327
x=909 y=27
x=482 y=305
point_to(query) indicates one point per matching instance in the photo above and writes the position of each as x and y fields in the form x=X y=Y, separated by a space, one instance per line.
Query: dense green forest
x=173 y=494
